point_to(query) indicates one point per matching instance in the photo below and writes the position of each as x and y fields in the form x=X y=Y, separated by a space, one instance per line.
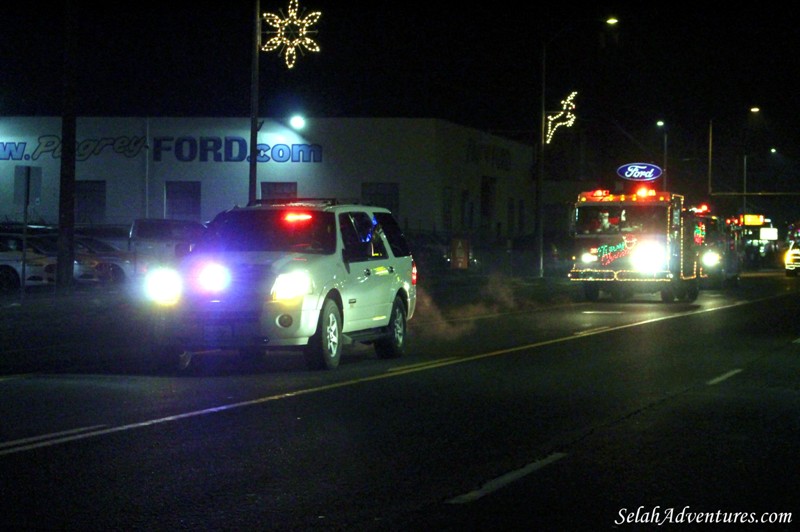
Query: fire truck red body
x=634 y=242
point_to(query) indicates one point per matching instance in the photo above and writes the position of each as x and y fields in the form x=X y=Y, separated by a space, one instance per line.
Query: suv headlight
x=291 y=285
x=163 y=286
x=213 y=277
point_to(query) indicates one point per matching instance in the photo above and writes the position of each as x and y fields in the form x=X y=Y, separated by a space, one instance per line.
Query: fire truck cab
x=633 y=243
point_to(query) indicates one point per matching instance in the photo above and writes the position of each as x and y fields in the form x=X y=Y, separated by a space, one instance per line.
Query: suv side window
x=361 y=237
x=397 y=240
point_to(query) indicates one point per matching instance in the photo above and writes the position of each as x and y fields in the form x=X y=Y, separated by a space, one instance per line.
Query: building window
x=278 y=190
x=90 y=202
x=182 y=200
x=382 y=194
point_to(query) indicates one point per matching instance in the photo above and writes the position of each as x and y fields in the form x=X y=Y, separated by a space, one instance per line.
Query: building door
x=90 y=202
x=182 y=200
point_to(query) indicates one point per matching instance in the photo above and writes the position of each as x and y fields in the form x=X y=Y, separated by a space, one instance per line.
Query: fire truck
x=638 y=242
x=721 y=247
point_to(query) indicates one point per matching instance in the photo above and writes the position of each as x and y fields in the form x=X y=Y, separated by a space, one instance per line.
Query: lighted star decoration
x=291 y=34
x=565 y=117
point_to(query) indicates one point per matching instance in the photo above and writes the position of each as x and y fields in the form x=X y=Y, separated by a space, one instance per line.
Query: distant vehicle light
x=711 y=258
x=163 y=286
x=291 y=285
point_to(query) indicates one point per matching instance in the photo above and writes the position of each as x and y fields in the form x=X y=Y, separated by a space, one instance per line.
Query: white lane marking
x=591 y=331
x=503 y=480
x=24 y=441
x=422 y=364
x=723 y=377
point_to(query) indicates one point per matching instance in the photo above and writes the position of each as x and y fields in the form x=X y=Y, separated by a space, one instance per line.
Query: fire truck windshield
x=608 y=219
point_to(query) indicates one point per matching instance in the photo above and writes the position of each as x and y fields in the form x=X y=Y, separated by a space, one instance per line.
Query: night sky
x=475 y=66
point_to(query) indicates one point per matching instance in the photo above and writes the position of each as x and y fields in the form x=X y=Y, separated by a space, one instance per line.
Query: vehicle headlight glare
x=291 y=285
x=649 y=257
x=163 y=286
x=711 y=259
x=214 y=277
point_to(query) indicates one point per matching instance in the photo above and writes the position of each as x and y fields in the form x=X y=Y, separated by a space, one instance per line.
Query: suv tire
x=394 y=345
x=324 y=349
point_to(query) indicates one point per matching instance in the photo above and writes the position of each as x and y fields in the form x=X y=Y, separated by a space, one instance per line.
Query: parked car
x=84 y=269
x=116 y=235
x=435 y=253
x=14 y=267
x=113 y=264
x=154 y=241
x=304 y=275
x=431 y=252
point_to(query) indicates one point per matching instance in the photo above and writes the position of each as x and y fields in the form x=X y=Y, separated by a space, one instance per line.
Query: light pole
x=253 y=176
x=663 y=126
x=744 y=185
x=289 y=34
x=539 y=233
x=753 y=111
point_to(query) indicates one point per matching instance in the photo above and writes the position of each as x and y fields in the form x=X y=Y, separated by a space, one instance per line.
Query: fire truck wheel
x=667 y=295
x=591 y=291
x=692 y=291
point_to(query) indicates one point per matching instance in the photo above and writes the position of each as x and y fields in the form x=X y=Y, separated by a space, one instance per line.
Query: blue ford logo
x=639 y=172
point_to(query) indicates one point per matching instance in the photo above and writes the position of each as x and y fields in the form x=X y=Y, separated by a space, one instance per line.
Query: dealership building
x=435 y=175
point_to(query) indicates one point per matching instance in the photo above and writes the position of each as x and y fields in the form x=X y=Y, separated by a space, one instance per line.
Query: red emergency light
x=297 y=216
x=645 y=192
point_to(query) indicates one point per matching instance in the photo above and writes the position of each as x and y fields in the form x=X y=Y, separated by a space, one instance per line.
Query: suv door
x=368 y=291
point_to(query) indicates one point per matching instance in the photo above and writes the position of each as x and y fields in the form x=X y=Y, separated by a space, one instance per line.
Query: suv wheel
x=170 y=359
x=324 y=349
x=394 y=345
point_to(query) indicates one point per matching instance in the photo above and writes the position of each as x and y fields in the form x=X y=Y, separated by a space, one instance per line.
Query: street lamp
x=753 y=111
x=663 y=125
x=611 y=21
x=289 y=34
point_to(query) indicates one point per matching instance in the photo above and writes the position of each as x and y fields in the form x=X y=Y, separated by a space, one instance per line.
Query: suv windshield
x=299 y=230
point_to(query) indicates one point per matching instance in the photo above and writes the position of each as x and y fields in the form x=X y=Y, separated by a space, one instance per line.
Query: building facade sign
x=639 y=172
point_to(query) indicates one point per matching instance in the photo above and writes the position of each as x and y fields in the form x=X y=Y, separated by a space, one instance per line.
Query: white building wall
x=137 y=156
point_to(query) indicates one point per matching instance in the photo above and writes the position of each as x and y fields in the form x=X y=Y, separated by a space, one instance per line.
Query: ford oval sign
x=639 y=172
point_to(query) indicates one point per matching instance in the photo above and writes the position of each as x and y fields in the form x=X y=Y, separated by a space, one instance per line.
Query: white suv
x=310 y=275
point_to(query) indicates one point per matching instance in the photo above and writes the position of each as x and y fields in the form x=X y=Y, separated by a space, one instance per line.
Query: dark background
x=478 y=66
